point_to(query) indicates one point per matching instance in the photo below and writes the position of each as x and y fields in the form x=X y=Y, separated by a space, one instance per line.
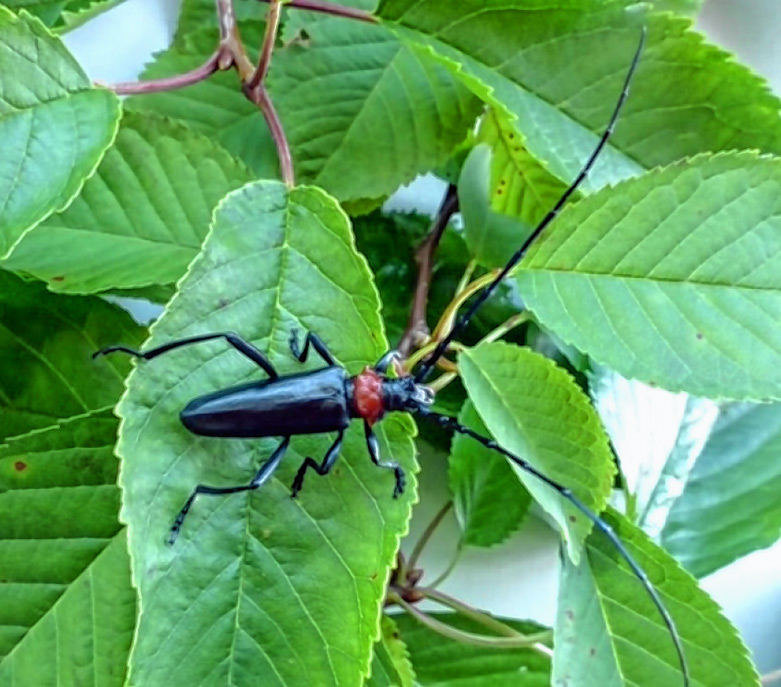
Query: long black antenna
x=427 y=365
x=599 y=523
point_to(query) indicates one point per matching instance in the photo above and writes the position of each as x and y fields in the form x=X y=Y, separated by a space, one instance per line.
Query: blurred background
x=116 y=45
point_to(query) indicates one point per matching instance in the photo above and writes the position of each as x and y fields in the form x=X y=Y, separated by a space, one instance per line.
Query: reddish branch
x=417 y=328
x=231 y=54
x=170 y=83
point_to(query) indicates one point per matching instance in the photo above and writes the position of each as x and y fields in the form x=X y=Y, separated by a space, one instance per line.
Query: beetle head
x=404 y=394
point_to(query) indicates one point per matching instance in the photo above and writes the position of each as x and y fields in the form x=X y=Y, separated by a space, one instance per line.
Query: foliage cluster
x=247 y=201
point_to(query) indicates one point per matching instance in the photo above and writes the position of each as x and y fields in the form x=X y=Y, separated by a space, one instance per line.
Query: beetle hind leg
x=320 y=468
x=262 y=475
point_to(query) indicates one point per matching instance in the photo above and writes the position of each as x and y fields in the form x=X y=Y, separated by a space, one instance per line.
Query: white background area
x=116 y=45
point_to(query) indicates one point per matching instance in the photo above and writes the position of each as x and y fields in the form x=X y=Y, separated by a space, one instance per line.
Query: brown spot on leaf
x=572 y=518
x=699 y=335
x=58 y=278
x=20 y=466
x=592 y=651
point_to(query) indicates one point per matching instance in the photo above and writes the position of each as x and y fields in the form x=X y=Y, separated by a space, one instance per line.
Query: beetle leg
x=317 y=343
x=242 y=346
x=322 y=469
x=265 y=471
x=374 y=453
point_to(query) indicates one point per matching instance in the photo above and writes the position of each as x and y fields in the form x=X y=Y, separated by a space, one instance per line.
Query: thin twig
x=472 y=613
x=417 y=328
x=427 y=533
x=772 y=677
x=269 y=38
x=261 y=98
x=521 y=642
x=331 y=8
x=169 y=83
x=232 y=52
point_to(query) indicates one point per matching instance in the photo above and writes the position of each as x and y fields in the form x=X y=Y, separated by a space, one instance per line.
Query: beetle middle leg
x=242 y=346
x=321 y=469
x=265 y=471
x=374 y=453
x=317 y=343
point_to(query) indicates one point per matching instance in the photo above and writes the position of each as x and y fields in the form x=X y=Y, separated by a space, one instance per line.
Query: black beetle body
x=305 y=403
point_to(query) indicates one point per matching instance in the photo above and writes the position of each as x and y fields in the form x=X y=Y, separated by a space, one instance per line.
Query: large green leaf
x=490 y=502
x=441 y=662
x=46 y=371
x=65 y=577
x=687 y=96
x=537 y=411
x=276 y=259
x=673 y=278
x=215 y=107
x=730 y=506
x=364 y=113
x=140 y=219
x=54 y=127
x=622 y=640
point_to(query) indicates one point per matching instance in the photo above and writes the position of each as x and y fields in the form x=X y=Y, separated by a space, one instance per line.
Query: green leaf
x=54 y=127
x=657 y=437
x=622 y=640
x=673 y=278
x=46 y=370
x=276 y=259
x=729 y=506
x=391 y=666
x=490 y=502
x=492 y=236
x=142 y=217
x=215 y=107
x=537 y=411
x=363 y=113
x=441 y=662
x=65 y=587
x=526 y=70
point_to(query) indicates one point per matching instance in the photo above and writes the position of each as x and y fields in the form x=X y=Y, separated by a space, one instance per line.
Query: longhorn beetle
x=326 y=400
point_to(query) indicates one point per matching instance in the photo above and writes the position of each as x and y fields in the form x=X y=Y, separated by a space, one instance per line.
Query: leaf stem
x=269 y=38
x=772 y=677
x=427 y=534
x=169 y=83
x=521 y=642
x=232 y=52
x=331 y=8
x=417 y=330
x=261 y=98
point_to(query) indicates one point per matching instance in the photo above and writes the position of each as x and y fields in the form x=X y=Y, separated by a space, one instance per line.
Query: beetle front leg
x=317 y=344
x=262 y=475
x=322 y=469
x=374 y=453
